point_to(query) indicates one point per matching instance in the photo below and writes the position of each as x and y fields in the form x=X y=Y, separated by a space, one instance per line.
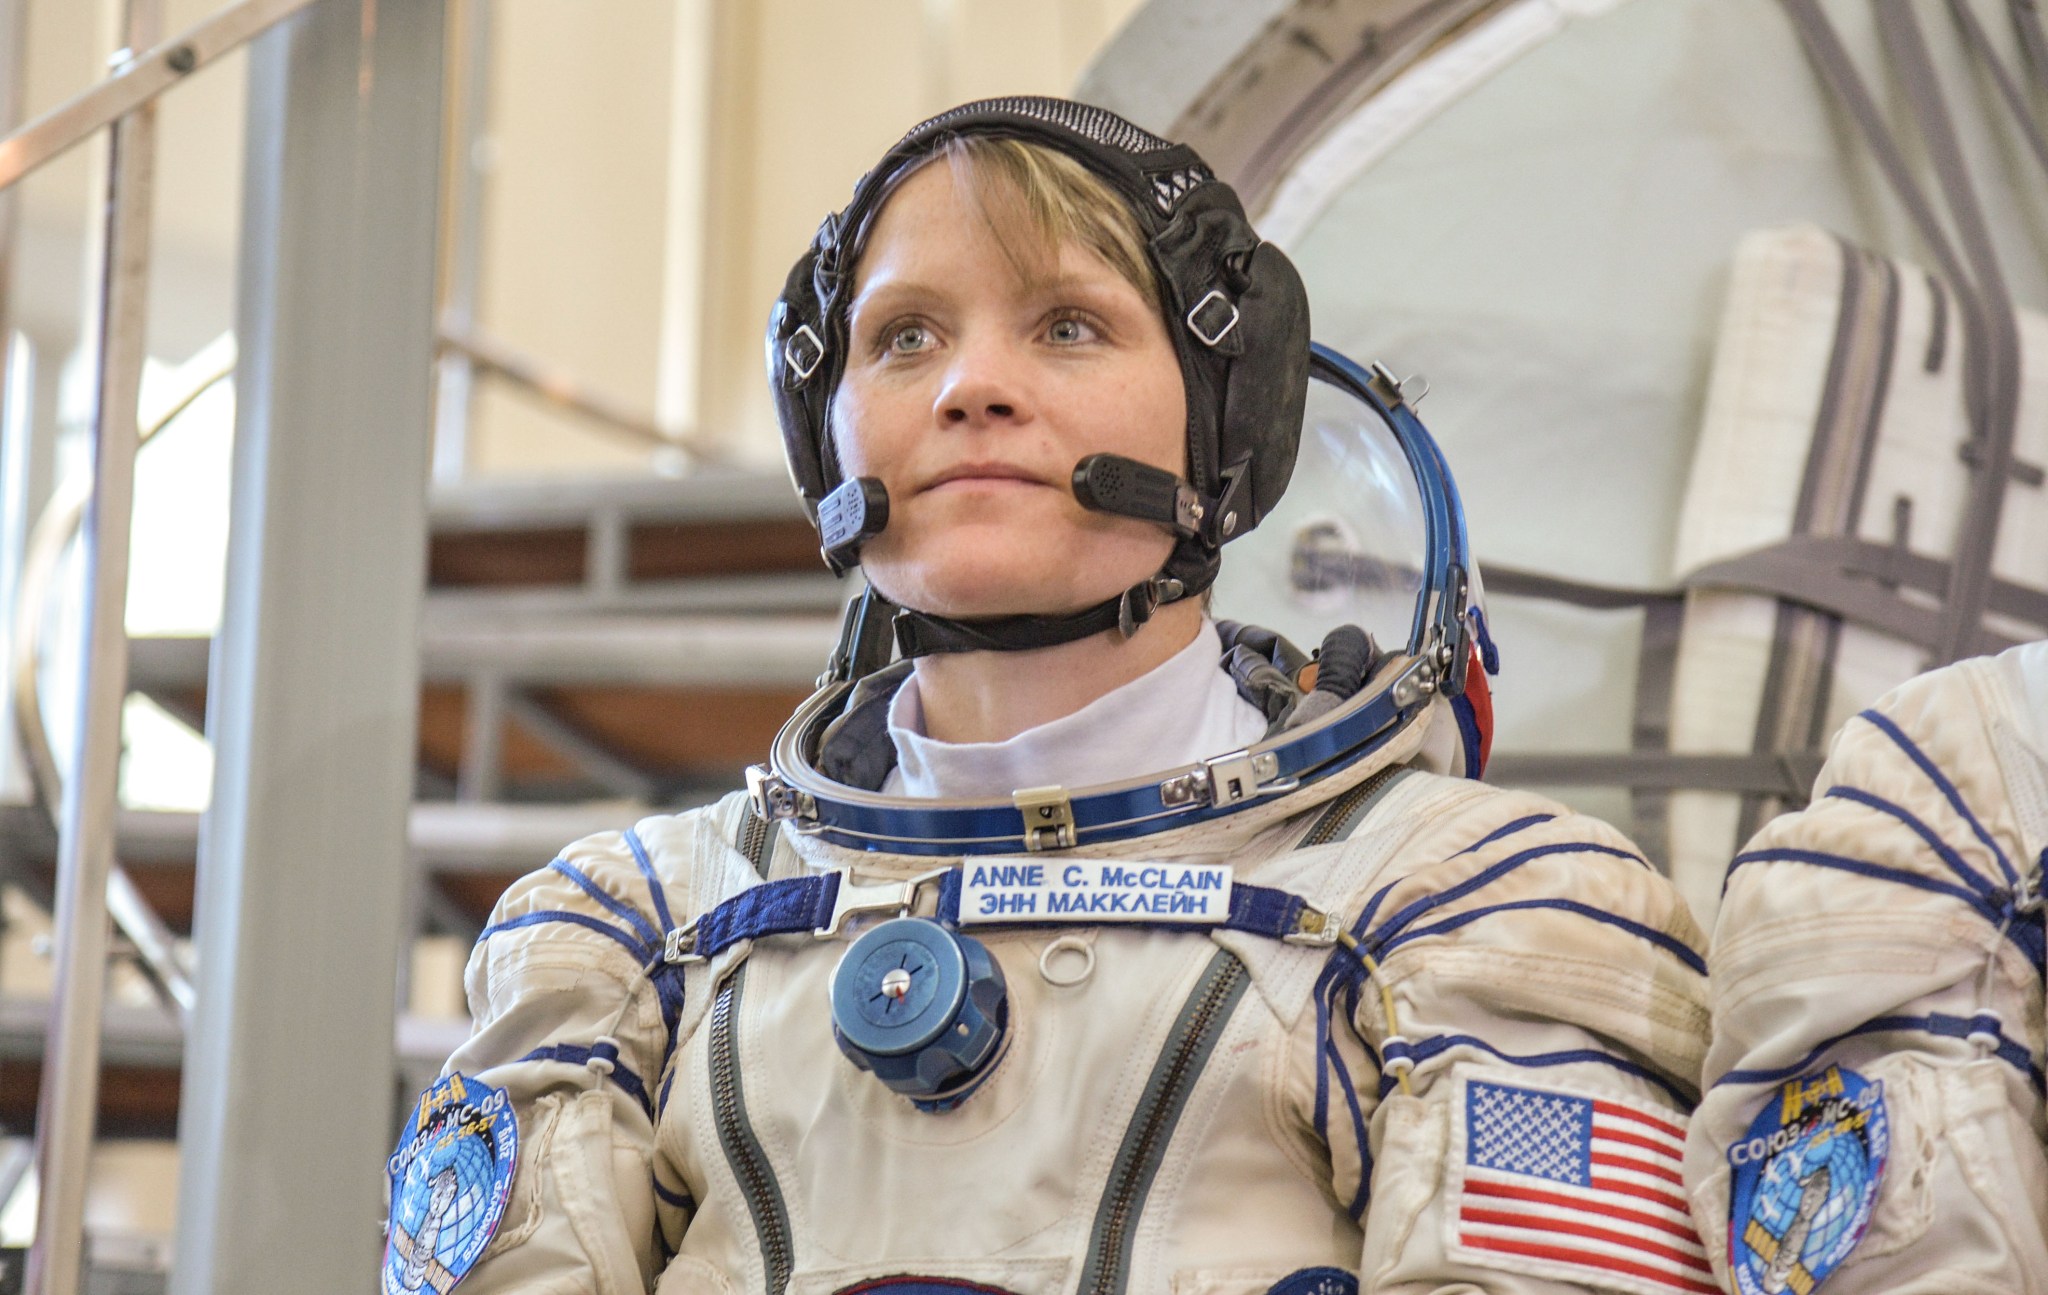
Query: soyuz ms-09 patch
x=450 y=1178
x=1804 y=1181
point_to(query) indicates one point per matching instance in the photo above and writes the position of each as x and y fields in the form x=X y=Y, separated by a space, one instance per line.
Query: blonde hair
x=1035 y=200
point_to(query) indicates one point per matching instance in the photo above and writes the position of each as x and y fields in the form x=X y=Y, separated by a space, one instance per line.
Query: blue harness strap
x=786 y=907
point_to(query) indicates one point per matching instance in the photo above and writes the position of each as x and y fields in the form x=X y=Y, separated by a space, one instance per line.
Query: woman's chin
x=999 y=571
x=976 y=590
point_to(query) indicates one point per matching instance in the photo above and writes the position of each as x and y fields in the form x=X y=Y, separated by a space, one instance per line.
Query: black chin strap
x=922 y=634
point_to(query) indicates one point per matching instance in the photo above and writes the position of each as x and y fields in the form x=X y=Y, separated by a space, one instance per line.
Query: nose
x=983 y=388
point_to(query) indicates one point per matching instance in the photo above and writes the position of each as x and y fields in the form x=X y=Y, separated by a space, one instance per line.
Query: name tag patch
x=450 y=1179
x=1025 y=889
x=1804 y=1181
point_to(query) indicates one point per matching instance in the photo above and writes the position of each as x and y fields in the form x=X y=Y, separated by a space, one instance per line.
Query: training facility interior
x=485 y=281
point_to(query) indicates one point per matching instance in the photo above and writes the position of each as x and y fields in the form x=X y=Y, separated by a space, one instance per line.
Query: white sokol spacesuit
x=1874 y=1118
x=1311 y=1016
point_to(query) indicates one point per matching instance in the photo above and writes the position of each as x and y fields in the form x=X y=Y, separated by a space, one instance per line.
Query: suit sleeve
x=573 y=1020
x=1529 y=1088
x=1885 y=945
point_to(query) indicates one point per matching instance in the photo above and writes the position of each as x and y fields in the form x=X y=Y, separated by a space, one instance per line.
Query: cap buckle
x=1202 y=307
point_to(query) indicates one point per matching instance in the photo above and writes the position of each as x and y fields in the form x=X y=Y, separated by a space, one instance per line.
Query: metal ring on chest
x=1067 y=944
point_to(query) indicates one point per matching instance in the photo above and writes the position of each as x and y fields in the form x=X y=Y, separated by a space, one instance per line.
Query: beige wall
x=575 y=183
x=803 y=95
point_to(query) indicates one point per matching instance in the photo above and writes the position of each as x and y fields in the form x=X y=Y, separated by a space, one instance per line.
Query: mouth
x=986 y=475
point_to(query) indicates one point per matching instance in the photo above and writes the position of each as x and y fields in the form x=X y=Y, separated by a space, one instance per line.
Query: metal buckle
x=1241 y=776
x=859 y=898
x=1048 y=817
x=775 y=800
x=2031 y=894
x=1215 y=294
x=1228 y=780
x=1314 y=927
x=796 y=360
x=680 y=945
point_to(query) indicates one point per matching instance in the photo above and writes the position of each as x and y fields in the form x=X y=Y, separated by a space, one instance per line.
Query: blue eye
x=1069 y=332
x=909 y=338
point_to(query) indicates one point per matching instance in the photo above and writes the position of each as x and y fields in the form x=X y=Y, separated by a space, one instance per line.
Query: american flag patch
x=1582 y=1189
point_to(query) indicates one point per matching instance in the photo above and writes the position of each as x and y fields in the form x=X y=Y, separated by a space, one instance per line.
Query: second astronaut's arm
x=1548 y=1021
x=1874 y=1116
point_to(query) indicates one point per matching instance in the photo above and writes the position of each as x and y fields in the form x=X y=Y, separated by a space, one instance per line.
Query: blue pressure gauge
x=921 y=1007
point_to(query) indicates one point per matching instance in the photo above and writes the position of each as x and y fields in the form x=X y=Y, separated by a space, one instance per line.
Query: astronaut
x=1874 y=1118
x=1090 y=944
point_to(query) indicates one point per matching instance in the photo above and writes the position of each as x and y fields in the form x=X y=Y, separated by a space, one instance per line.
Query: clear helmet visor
x=1348 y=544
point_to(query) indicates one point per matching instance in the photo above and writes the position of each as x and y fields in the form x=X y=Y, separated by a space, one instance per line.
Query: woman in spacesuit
x=1090 y=944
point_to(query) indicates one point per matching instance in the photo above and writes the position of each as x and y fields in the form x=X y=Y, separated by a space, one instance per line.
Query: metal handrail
x=162 y=961
x=138 y=81
x=67 y=1106
x=154 y=944
x=563 y=390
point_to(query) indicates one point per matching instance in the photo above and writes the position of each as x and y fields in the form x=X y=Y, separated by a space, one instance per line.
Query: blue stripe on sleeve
x=1428 y=1048
x=1977 y=881
x=1865 y=868
x=630 y=914
x=641 y=953
x=1948 y=789
x=654 y=889
x=681 y=1200
x=1669 y=943
x=569 y=1054
x=1937 y=1023
x=1519 y=825
x=1492 y=873
x=1359 y=1129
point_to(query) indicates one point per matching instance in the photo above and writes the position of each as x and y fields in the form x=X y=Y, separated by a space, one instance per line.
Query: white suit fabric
x=1203 y=1114
x=1893 y=929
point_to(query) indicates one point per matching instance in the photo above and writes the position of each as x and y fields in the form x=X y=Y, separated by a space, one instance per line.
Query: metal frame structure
x=70 y=1090
x=337 y=317
x=312 y=682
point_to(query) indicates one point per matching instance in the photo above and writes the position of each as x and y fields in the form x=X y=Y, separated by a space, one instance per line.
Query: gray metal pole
x=13 y=71
x=455 y=395
x=69 y=1102
x=313 y=687
x=19 y=482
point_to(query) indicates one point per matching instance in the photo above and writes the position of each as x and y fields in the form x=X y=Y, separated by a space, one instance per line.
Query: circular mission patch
x=1803 y=1182
x=450 y=1178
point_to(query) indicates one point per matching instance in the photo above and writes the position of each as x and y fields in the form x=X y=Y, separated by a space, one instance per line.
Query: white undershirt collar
x=1185 y=709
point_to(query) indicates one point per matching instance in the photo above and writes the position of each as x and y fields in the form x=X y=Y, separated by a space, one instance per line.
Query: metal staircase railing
x=69 y=1095
x=500 y=644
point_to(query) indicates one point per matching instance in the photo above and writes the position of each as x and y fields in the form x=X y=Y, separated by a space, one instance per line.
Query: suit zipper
x=750 y=1167
x=1166 y=1094
x=754 y=834
x=1340 y=819
x=1179 y=1066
